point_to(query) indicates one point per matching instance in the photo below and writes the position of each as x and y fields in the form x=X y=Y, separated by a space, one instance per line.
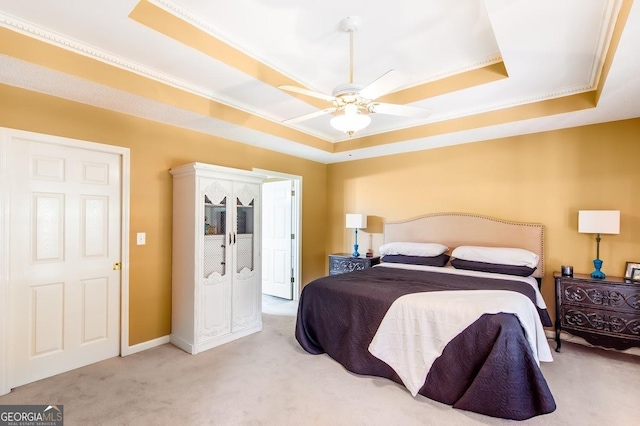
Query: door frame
x=296 y=220
x=5 y=135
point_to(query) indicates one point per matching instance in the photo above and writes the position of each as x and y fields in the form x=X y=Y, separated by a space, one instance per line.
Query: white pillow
x=500 y=255
x=413 y=249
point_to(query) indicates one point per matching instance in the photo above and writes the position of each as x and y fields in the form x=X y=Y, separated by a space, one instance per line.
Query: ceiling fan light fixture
x=350 y=123
x=352 y=98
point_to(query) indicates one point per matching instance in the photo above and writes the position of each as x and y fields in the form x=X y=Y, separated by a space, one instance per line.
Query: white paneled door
x=64 y=254
x=276 y=239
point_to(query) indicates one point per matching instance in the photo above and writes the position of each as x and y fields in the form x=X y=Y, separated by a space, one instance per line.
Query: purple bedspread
x=489 y=368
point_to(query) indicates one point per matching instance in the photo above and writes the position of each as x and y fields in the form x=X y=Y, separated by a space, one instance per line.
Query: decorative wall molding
x=610 y=17
x=84 y=49
x=561 y=93
x=195 y=20
x=610 y=12
x=89 y=51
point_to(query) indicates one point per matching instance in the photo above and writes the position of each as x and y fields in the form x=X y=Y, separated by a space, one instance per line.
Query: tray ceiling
x=487 y=69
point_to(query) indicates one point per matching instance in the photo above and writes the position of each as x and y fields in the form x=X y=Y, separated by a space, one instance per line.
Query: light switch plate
x=141 y=238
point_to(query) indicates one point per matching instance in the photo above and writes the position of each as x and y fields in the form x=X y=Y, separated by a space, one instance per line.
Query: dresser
x=339 y=263
x=604 y=312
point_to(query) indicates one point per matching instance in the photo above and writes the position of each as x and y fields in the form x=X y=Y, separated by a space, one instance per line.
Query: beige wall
x=544 y=178
x=155 y=148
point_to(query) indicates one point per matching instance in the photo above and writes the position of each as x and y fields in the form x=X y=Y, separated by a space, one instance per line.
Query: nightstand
x=604 y=312
x=339 y=263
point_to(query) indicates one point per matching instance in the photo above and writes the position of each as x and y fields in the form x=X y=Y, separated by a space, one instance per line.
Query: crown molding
x=494 y=58
x=568 y=91
x=435 y=118
x=195 y=20
x=84 y=49
x=610 y=13
x=203 y=25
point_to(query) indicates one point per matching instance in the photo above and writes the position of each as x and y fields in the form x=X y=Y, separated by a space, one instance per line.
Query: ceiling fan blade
x=401 y=110
x=383 y=85
x=310 y=116
x=308 y=92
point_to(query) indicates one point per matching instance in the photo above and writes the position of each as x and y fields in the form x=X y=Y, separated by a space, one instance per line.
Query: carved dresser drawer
x=603 y=312
x=340 y=263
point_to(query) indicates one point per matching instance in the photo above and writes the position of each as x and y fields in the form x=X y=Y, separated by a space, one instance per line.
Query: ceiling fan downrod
x=350 y=25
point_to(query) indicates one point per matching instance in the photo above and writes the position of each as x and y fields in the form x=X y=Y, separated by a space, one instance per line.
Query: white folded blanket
x=418 y=326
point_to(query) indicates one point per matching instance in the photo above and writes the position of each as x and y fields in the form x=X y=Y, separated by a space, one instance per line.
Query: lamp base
x=355 y=251
x=597 y=274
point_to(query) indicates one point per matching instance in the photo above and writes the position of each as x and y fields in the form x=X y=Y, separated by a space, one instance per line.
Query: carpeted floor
x=277 y=306
x=267 y=379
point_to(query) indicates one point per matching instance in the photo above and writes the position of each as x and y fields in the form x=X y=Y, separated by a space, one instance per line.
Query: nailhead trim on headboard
x=409 y=230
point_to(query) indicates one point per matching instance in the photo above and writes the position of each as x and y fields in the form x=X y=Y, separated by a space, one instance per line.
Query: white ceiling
x=550 y=48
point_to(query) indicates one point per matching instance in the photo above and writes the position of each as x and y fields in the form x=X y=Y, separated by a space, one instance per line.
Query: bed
x=490 y=367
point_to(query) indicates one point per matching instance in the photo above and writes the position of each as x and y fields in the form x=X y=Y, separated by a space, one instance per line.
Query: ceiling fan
x=357 y=101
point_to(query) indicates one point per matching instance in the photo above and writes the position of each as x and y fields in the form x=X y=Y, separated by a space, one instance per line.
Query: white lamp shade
x=350 y=123
x=599 y=221
x=356 y=220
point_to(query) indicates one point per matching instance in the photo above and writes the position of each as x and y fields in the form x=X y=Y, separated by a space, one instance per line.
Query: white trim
x=196 y=348
x=149 y=344
x=610 y=14
x=5 y=134
x=125 y=179
x=180 y=343
x=4 y=270
x=297 y=269
x=297 y=223
x=59 y=40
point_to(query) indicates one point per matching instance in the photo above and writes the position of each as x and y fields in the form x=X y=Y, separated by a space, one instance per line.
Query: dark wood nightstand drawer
x=341 y=263
x=606 y=322
x=621 y=298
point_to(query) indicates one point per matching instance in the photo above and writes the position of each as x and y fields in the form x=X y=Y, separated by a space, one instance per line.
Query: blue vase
x=597 y=274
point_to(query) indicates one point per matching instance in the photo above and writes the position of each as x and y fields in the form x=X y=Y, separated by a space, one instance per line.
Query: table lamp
x=356 y=221
x=598 y=222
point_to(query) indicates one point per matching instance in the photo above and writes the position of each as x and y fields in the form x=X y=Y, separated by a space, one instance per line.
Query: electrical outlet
x=141 y=238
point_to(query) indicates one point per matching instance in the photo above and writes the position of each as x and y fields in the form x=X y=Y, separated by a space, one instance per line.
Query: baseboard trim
x=566 y=337
x=228 y=338
x=179 y=343
x=146 y=345
x=213 y=342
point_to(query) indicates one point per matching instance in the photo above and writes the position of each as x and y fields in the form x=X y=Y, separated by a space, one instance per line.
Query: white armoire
x=216 y=280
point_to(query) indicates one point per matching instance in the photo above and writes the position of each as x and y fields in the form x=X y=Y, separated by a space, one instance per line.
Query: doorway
x=64 y=234
x=281 y=234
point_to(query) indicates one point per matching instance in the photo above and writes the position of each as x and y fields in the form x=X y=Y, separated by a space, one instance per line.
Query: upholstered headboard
x=458 y=229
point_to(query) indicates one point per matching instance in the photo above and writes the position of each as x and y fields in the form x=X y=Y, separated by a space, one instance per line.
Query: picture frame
x=629 y=269
x=635 y=274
